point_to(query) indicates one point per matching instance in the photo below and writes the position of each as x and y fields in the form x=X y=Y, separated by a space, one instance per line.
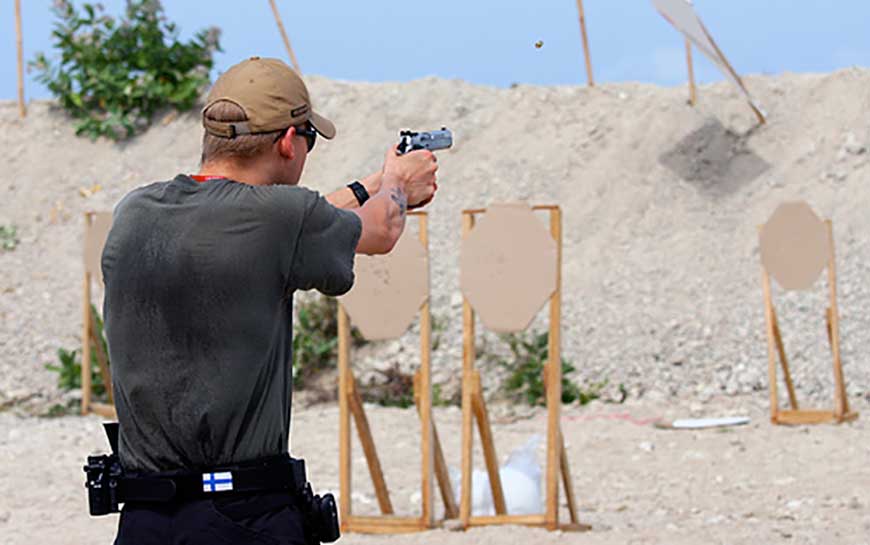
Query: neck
x=247 y=173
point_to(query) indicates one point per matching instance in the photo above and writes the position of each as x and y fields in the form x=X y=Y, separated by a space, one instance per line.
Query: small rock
x=646 y=446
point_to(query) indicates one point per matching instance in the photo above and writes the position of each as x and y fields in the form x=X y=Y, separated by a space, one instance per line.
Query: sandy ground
x=635 y=484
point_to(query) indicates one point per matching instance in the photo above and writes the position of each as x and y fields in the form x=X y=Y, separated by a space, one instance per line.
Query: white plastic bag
x=520 y=482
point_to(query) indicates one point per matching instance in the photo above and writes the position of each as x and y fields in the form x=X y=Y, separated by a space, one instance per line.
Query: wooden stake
x=841 y=403
x=86 y=338
x=692 y=92
x=582 y=17
x=22 y=109
x=364 y=432
x=425 y=392
x=554 y=386
x=102 y=358
x=468 y=356
x=783 y=360
x=773 y=385
x=284 y=37
x=487 y=444
x=344 y=446
x=567 y=482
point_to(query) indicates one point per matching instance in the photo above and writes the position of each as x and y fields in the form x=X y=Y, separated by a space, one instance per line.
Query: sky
x=492 y=42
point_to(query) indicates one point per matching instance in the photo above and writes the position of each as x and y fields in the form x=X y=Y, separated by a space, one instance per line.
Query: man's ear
x=285 y=144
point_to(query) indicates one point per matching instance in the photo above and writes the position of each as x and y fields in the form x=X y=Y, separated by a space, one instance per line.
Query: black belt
x=274 y=474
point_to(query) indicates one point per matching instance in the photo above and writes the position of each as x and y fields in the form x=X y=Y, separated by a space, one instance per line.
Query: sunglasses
x=306 y=130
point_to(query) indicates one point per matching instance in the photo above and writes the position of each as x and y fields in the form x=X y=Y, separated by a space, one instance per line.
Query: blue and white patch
x=217 y=482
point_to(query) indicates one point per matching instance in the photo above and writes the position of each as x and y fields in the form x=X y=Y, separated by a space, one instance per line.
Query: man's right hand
x=414 y=172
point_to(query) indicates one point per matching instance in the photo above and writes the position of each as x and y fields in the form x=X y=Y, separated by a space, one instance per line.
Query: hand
x=414 y=172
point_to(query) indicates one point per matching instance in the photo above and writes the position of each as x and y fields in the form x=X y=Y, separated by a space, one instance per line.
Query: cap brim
x=322 y=125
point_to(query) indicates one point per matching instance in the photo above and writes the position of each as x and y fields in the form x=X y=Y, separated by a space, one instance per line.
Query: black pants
x=256 y=519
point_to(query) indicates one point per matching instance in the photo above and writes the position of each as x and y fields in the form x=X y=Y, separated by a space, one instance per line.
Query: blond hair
x=244 y=146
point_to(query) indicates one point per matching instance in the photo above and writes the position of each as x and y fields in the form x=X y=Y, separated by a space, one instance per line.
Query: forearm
x=383 y=220
x=344 y=197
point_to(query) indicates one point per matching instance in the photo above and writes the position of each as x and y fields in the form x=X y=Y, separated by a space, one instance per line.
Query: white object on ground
x=520 y=482
x=699 y=423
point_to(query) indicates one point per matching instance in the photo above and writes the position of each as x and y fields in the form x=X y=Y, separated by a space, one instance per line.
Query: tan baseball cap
x=272 y=95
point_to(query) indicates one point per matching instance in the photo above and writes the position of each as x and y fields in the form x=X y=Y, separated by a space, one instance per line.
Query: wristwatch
x=359 y=191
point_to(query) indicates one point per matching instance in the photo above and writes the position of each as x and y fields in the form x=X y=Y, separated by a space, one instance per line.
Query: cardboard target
x=795 y=246
x=389 y=289
x=508 y=267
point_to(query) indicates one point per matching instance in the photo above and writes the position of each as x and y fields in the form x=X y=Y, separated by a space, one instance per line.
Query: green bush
x=530 y=352
x=113 y=75
x=315 y=337
x=69 y=366
x=8 y=237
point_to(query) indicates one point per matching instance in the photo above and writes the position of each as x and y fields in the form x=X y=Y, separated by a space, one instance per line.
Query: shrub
x=8 y=237
x=315 y=337
x=69 y=366
x=113 y=75
x=525 y=381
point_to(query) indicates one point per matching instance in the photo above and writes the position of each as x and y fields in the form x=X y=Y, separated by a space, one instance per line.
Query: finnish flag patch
x=217 y=482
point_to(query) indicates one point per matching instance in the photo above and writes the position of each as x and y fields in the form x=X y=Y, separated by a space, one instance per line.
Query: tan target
x=794 y=246
x=97 y=225
x=389 y=290
x=508 y=267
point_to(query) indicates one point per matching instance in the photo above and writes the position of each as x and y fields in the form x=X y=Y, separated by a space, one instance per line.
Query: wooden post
x=86 y=339
x=693 y=97
x=425 y=392
x=773 y=385
x=582 y=18
x=283 y=32
x=487 y=443
x=364 y=432
x=554 y=386
x=22 y=109
x=468 y=356
x=841 y=403
x=344 y=446
x=783 y=360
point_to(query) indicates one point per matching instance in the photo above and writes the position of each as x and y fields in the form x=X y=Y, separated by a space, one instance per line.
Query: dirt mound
x=661 y=203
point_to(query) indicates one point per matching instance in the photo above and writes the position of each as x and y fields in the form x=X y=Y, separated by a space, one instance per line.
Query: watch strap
x=359 y=191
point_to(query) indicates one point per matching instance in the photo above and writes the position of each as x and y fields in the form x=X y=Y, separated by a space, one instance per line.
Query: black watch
x=359 y=191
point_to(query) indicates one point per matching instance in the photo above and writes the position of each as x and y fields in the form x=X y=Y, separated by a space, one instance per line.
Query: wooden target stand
x=474 y=409
x=776 y=352
x=97 y=226
x=351 y=405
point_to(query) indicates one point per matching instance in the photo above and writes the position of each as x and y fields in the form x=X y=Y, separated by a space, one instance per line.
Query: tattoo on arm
x=400 y=199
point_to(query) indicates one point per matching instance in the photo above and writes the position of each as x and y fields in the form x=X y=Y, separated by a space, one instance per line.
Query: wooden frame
x=89 y=335
x=350 y=405
x=474 y=409
x=776 y=351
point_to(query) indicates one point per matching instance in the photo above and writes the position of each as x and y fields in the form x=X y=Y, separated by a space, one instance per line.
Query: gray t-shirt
x=199 y=304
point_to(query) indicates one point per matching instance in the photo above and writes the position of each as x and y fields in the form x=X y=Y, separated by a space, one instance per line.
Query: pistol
x=431 y=140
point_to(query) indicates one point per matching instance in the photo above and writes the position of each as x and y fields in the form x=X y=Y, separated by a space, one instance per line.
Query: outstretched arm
x=383 y=215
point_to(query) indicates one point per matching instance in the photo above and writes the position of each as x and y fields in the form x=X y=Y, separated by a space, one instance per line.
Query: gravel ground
x=635 y=484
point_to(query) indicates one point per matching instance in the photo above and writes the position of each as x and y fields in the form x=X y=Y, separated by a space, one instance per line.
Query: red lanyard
x=199 y=178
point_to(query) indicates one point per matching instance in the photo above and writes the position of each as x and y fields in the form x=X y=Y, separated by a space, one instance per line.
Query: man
x=200 y=273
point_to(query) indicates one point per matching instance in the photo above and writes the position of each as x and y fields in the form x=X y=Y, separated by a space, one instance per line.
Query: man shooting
x=200 y=273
